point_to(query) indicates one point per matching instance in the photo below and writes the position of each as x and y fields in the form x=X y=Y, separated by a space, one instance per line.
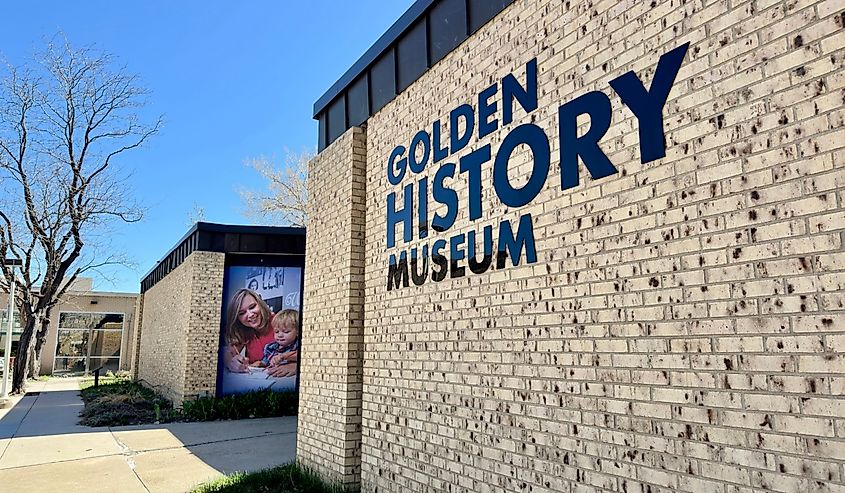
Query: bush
x=120 y=401
x=258 y=404
x=124 y=403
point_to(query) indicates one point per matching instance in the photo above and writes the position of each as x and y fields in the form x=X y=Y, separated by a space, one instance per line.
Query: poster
x=259 y=340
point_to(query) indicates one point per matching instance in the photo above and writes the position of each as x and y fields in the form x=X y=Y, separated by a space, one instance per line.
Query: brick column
x=329 y=434
x=136 y=335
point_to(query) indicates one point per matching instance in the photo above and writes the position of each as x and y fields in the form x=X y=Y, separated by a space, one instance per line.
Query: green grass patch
x=289 y=478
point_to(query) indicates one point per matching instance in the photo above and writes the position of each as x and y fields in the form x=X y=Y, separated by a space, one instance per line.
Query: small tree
x=195 y=215
x=65 y=118
x=284 y=201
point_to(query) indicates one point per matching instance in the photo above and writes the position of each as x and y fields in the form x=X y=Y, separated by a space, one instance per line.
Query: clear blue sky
x=233 y=80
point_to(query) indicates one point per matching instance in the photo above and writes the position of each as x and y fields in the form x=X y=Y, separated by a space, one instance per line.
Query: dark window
x=337 y=118
x=383 y=81
x=481 y=11
x=412 y=55
x=448 y=27
x=358 y=102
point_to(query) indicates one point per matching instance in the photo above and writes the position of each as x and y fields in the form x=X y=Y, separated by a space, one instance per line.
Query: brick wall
x=683 y=327
x=136 y=336
x=180 y=329
x=329 y=432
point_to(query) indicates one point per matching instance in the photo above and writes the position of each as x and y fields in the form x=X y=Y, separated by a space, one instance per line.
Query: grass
x=86 y=382
x=289 y=478
x=118 y=401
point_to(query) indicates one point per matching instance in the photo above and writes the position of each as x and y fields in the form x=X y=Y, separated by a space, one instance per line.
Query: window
x=87 y=341
x=4 y=322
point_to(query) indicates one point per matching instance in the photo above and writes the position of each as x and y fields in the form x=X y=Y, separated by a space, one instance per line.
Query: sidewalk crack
x=128 y=456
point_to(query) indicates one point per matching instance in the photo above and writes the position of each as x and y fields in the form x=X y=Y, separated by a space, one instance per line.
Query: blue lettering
x=445 y=196
x=536 y=139
x=468 y=114
x=511 y=89
x=647 y=106
x=439 y=152
x=597 y=105
x=524 y=240
x=403 y=215
x=420 y=138
x=399 y=166
x=486 y=109
x=471 y=164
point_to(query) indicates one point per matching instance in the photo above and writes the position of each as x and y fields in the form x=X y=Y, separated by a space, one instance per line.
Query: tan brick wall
x=329 y=434
x=136 y=336
x=180 y=329
x=683 y=327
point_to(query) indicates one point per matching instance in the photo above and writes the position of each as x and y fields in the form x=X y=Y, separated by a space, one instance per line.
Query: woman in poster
x=248 y=332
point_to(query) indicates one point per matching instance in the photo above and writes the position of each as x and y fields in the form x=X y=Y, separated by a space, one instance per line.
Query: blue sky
x=233 y=80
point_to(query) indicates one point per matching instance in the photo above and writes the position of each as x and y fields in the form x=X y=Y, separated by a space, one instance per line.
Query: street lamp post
x=7 y=369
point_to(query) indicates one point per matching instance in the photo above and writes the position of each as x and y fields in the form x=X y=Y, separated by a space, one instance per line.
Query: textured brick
x=179 y=330
x=682 y=329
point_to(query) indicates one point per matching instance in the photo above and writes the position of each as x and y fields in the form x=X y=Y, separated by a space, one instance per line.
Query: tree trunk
x=26 y=347
x=40 y=338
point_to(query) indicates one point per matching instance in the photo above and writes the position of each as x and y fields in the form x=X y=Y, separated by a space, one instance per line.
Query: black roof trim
x=229 y=239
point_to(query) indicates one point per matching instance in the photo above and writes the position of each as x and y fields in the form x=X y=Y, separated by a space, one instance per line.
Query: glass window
x=87 y=341
x=72 y=343
x=4 y=322
x=105 y=343
x=91 y=321
x=72 y=365
x=107 y=364
x=411 y=55
x=448 y=27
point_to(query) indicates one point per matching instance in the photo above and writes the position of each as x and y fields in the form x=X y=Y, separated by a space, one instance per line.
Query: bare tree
x=195 y=215
x=65 y=119
x=286 y=196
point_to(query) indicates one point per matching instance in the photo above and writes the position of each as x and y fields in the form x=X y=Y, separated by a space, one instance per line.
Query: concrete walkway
x=43 y=448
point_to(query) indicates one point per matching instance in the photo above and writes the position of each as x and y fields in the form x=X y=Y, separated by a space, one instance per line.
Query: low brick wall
x=179 y=329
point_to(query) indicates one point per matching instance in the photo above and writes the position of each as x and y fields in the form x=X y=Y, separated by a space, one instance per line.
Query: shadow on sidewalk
x=41 y=432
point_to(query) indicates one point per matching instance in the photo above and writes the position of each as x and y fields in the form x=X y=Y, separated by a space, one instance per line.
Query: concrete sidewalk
x=42 y=446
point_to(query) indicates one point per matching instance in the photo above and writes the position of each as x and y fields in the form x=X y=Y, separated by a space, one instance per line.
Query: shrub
x=124 y=403
x=258 y=404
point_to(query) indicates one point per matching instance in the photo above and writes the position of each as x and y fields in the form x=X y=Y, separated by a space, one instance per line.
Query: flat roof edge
x=414 y=12
x=225 y=228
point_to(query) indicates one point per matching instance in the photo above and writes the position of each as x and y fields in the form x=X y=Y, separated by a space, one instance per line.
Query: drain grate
x=33 y=393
